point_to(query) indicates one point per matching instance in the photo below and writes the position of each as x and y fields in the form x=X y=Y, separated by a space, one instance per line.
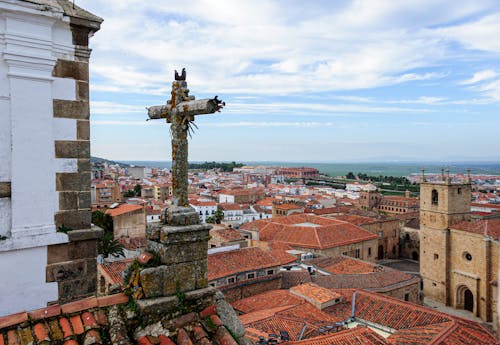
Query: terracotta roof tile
x=12 y=337
x=41 y=333
x=65 y=327
x=14 y=319
x=43 y=313
x=77 y=324
x=107 y=300
x=315 y=293
x=83 y=304
x=486 y=227
x=231 y=262
x=114 y=269
x=309 y=231
x=54 y=330
x=122 y=209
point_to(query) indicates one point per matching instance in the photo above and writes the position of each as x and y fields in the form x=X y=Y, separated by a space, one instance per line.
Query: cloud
x=104 y=107
x=259 y=48
x=480 y=76
x=421 y=100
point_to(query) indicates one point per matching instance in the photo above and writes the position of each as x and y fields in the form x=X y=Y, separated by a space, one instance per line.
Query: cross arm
x=188 y=108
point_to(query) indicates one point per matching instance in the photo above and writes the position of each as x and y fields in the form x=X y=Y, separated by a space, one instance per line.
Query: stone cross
x=180 y=111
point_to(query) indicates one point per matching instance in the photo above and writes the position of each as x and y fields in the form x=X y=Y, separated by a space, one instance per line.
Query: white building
x=205 y=208
x=44 y=134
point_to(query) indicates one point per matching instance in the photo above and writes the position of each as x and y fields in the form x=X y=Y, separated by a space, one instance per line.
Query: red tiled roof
x=267 y=300
x=114 y=270
x=223 y=264
x=486 y=227
x=345 y=265
x=354 y=336
x=226 y=234
x=293 y=230
x=122 y=209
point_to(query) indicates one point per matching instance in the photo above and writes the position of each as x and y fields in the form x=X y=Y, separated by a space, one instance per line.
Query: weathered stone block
x=71 y=109
x=83 y=200
x=179 y=277
x=5 y=189
x=83 y=130
x=185 y=234
x=152 y=281
x=71 y=69
x=72 y=182
x=82 y=90
x=85 y=234
x=84 y=165
x=72 y=149
x=68 y=201
x=76 y=289
x=67 y=270
x=176 y=215
x=77 y=219
x=153 y=232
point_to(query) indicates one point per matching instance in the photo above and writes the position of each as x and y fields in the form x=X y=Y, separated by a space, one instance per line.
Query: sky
x=303 y=81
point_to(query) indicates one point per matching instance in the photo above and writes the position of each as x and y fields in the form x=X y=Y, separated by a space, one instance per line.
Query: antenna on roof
x=73 y=4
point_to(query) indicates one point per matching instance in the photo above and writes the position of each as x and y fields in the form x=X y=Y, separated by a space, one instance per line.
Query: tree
x=218 y=216
x=137 y=190
x=109 y=246
x=210 y=220
x=350 y=176
x=103 y=220
x=129 y=194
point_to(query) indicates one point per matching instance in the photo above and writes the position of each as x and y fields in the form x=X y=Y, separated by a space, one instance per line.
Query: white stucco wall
x=31 y=41
x=21 y=287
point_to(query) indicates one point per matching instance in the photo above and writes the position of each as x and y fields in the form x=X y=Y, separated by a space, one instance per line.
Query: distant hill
x=97 y=160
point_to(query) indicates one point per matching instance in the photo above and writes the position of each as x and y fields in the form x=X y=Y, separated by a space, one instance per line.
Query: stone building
x=318 y=235
x=388 y=204
x=458 y=256
x=44 y=127
x=128 y=221
x=387 y=231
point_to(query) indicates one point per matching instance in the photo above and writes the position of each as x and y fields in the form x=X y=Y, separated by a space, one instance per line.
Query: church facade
x=458 y=255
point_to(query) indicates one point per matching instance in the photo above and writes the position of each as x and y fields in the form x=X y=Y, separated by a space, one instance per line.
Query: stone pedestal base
x=182 y=250
x=155 y=309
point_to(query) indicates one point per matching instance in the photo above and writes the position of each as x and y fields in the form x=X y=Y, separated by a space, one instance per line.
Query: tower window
x=436 y=256
x=459 y=191
x=468 y=256
x=435 y=197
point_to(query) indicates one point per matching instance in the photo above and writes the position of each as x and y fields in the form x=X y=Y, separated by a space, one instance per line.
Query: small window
x=393 y=232
x=459 y=190
x=468 y=256
x=250 y=275
x=407 y=296
x=270 y=272
x=434 y=197
x=344 y=253
x=370 y=251
x=357 y=252
x=230 y=280
x=436 y=256
x=380 y=233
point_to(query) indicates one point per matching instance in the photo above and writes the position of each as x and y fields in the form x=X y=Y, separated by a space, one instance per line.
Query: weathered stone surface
x=5 y=189
x=83 y=130
x=72 y=149
x=82 y=90
x=84 y=165
x=72 y=182
x=152 y=281
x=77 y=219
x=85 y=234
x=68 y=201
x=229 y=318
x=185 y=234
x=71 y=69
x=83 y=200
x=73 y=250
x=153 y=232
x=66 y=270
x=71 y=109
x=156 y=309
x=77 y=288
x=117 y=327
x=179 y=253
x=181 y=215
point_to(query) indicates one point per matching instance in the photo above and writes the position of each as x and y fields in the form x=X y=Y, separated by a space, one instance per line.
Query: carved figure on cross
x=180 y=111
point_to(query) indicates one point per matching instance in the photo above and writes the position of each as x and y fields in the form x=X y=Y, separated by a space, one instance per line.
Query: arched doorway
x=380 y=252
x=468 y=300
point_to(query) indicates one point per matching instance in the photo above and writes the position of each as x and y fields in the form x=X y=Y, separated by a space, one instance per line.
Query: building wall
x=388 y=233
x=409 y=240
x=412 y=291
x=367 y=250
x=251 y=288
x=132 y=224
x=44 y=147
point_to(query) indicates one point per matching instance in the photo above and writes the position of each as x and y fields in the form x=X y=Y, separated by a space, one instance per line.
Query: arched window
x=434 y=197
